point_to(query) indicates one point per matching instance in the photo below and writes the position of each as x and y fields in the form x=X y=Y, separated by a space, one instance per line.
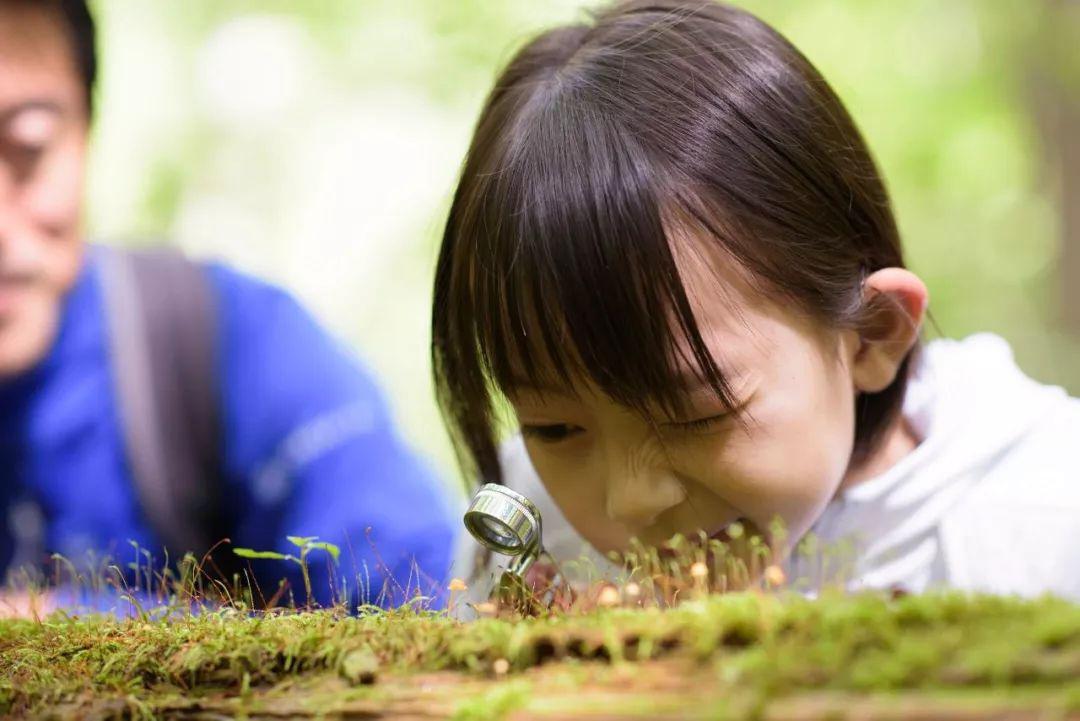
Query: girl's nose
x=635 y=497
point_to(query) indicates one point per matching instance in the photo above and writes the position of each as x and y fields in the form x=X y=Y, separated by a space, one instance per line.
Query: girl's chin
x=734 y=532
x=728 y=533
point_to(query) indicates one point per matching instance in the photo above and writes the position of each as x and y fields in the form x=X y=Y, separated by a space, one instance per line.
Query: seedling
x=306 y=544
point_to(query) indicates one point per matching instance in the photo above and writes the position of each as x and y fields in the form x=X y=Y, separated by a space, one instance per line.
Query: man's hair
x=82 y=34
x=602 y=141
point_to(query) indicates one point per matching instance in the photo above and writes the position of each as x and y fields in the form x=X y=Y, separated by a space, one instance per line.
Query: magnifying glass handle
x=521 y=563
x=535 y=590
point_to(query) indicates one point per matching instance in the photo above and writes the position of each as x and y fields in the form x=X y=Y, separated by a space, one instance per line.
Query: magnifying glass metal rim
x=512 y=511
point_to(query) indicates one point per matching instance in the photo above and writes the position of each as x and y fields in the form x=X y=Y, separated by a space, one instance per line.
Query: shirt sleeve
x=310 y=450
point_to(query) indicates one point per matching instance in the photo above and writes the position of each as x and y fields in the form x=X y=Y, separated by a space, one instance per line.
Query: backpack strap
x=162 y=323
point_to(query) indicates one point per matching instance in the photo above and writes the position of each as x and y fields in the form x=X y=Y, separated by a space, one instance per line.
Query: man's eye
x=24 y=155
x=550 y=433
x=25 y=138
x=20 y=157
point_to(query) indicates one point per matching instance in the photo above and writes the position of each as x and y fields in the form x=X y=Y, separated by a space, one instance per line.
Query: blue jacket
x=308 y=449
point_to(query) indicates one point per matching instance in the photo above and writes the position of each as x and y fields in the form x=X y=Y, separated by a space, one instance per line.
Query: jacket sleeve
x=310 y=450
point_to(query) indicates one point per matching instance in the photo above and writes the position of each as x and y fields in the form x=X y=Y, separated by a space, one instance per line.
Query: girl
x=671 y=252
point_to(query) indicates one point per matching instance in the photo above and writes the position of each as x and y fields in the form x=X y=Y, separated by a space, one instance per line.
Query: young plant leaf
x=300 y=541
x=249 y=553
x=329 y=548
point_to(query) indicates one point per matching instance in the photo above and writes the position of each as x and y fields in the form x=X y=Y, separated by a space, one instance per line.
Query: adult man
x=305 y=446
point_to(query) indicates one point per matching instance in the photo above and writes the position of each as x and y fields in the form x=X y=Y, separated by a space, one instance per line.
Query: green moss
x=494 y=705
x=776 y=644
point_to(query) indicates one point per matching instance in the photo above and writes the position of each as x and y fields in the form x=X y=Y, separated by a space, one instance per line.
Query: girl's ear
x=894 y=303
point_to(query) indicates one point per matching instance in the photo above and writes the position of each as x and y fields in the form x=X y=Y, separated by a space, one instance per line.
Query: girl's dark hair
x=598 y=144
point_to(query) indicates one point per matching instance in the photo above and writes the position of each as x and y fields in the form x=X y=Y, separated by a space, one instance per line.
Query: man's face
x=43 y=127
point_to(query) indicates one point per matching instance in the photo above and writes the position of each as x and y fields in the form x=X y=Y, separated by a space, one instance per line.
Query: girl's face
x=615 y=476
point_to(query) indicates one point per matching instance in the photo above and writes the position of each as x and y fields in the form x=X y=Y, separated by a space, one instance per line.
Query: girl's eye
x=700 y=424
x=550 y=433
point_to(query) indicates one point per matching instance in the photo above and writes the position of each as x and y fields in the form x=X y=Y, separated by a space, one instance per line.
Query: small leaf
x=329 y=548
x=249 y=553
x=300 y=541
x=419 y=600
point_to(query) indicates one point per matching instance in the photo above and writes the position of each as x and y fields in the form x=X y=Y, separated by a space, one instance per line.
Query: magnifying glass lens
x=504 y=521
x=498 y=532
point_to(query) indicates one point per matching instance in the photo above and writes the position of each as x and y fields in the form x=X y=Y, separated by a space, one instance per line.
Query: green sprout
x=306 y=544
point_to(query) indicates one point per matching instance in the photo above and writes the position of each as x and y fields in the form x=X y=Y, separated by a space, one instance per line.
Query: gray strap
x=162 y=328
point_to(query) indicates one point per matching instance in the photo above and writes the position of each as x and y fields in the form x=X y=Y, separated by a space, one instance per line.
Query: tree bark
x=1055 y=61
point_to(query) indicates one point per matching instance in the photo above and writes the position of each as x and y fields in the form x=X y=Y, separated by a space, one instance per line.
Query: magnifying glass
x=507 y=523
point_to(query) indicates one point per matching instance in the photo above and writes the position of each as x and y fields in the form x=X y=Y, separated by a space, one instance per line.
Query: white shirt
x=990 y=498
x=988 y=501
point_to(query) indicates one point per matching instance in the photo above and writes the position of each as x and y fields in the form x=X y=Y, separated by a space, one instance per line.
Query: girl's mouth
x=724 y=535
x=738 y=528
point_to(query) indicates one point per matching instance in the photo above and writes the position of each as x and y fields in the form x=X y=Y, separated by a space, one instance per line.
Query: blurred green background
x=316 y=143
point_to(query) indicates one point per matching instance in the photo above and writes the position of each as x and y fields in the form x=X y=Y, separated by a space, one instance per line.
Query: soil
x=669 y=689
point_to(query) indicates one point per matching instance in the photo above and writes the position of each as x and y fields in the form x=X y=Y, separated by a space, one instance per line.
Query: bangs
x=563 y=269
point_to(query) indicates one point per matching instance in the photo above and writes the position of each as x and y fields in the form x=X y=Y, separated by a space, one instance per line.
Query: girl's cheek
x=577 y=485
x=775 y=467
x=721 y=458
